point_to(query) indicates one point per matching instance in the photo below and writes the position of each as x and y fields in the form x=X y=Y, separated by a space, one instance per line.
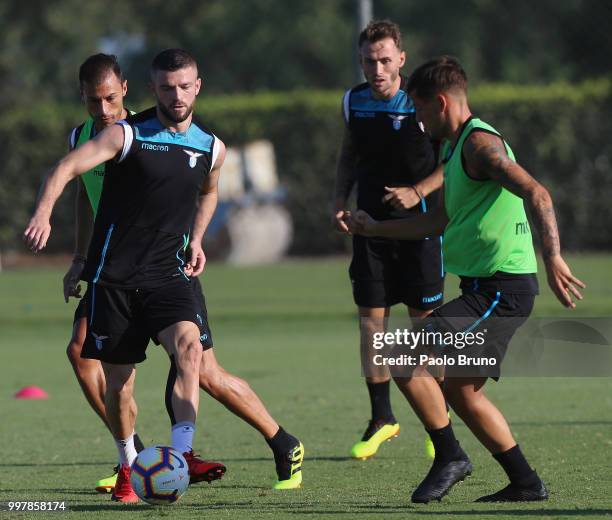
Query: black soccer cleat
x=515 y=493
x=441 y=478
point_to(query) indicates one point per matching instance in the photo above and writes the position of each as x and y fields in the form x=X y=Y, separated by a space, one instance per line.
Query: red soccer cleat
x=123 y=491
x=203 y=470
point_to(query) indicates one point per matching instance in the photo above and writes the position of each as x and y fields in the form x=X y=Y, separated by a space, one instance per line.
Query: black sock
x=516 y=467
x=282 y=442
x=138 y=443
x=446 y=445
x=380 y=402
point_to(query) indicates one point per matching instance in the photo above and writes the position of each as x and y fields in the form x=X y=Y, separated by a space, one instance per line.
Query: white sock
x=127 y=451
x=182 y=436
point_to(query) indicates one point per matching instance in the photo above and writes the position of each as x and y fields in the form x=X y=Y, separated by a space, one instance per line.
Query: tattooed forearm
x=543 y=213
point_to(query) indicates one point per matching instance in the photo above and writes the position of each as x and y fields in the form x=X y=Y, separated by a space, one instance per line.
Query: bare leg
x=119 y=398
x=419 y=314
x=119 y=413
x=89 y=373
x=466 y=397
x=425 y=396
x=182 y=343
x=235 y=394
x=371 y=321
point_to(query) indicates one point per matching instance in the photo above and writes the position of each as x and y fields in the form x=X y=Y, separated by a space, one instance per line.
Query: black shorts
x=81 y=310
x=495 y=315
x=386 y=272
x=202 y=314
x=121 y=322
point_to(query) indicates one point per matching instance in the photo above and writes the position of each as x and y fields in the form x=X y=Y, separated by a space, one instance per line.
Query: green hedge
x=561 y=133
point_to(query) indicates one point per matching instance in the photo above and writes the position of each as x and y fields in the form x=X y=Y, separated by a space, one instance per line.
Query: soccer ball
x=160 y=475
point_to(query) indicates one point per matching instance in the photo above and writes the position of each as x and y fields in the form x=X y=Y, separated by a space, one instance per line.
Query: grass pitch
x=291 y=331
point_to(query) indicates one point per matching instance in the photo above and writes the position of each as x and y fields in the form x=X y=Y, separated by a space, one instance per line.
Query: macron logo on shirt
x=156 y=147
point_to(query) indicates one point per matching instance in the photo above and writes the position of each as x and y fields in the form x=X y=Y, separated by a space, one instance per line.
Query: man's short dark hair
x=173 y=59
x=95 y=69
x=437 y=75
x=378 y=30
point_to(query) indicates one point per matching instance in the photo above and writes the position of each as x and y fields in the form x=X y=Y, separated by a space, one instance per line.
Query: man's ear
x=402 y=59
x=442 y=101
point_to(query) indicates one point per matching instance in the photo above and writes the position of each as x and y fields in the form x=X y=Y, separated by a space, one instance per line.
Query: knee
x=133 y=407
x=73 y=351
x=369 y=325
x=461 y=399
x=120 y=389
x=405 y=376
x=403 y=383
x=189 y=351
x=75 y=346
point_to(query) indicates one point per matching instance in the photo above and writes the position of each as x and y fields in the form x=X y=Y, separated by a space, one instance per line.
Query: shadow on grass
x=53 y=464
x=110 y=506
x=517 y=512
x=222 y=485
x=59 y=490
x=375 y=509
x=561 y=423
x=267 y=459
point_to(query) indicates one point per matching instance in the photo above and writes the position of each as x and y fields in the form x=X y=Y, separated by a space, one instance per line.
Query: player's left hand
x=37 y=233
x=197 y=260
x=562 y=281
x=360 y=223
x=71 y=280
x=401 y=198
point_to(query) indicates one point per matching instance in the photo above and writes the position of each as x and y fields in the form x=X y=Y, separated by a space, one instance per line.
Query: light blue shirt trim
x=363 y=101
x=152 y=131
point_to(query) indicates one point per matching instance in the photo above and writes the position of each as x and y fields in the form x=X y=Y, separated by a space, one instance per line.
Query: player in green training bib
x=488 y=244
x=93 y=179
x=102 y=91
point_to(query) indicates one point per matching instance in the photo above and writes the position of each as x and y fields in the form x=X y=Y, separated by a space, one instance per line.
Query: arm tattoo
x=542 y=211
x=485 y=154
x=486 y=157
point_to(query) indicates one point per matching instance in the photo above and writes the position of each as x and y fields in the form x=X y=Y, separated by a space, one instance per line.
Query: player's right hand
x=37 y=233
x=401 y=198
x=339 y=220
x=71 y=280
